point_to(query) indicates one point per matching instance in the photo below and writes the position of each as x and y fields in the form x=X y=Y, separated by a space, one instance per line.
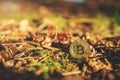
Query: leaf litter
x=40 y=51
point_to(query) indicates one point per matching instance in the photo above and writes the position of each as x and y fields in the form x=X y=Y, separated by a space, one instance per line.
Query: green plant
x=102 y=22
x=116 y=19
x=65 y=59
x=58 y=21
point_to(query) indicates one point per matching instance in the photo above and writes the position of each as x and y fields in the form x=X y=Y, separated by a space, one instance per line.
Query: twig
x=12 y=43
x=71 y=73
x=52 y=39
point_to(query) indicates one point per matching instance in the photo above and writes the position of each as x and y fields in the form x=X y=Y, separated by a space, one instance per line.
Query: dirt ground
x=45 y=42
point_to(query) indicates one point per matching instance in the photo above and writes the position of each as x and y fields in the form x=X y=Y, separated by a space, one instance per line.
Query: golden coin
x=79 y=49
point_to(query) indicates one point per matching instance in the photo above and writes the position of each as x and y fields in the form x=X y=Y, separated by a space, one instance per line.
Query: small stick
x=71 y=73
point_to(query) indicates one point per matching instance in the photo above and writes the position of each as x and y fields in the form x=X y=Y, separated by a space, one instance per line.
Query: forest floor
x=45 y=45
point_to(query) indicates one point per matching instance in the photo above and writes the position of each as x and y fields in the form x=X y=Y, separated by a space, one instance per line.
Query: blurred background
x=76 y=7
x=104 y=14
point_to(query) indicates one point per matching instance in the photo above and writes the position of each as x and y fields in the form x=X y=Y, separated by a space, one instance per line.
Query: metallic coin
x=79 y=49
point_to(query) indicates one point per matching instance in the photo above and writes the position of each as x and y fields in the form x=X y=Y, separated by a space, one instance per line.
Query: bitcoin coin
x=79 y=49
